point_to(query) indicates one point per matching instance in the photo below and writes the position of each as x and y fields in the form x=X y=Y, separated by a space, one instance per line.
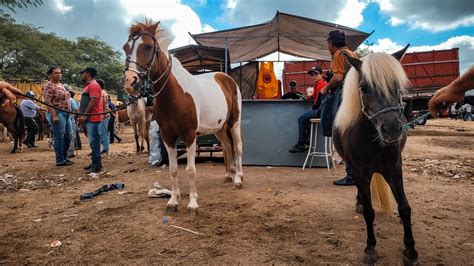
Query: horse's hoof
x=237 y=185
x=410 y=258
x=228 y=179
x=359 y=208
x=171 y=209
x=193 y=212
x=369 y=259
x=370 y=256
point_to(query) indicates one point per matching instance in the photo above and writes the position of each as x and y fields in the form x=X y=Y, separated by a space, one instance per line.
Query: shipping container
x=427 y=71
x=431 y=70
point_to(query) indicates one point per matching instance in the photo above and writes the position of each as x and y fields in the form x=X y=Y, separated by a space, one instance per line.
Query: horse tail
x=380 y=193
x=19 y=124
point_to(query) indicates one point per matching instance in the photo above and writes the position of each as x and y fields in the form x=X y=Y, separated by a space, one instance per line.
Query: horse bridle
x=144 y=75
x=371 y=118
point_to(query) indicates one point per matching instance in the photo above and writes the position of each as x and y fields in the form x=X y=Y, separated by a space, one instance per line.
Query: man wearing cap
x=293 y=94
x=29 y=108
x=303 y=120
x=339 y=65
x=92 y=99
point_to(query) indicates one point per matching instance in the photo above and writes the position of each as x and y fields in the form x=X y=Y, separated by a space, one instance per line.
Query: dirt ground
x=282 y=215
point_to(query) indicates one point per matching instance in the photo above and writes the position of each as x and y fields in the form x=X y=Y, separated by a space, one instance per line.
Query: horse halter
x=372 y=117
x=144 y=75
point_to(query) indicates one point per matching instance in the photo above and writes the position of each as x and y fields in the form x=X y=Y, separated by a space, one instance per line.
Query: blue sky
x=426 y=24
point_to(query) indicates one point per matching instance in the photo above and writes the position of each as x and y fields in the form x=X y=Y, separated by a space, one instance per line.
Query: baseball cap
x=315 y=70
x=91 y=70
x=337 y=36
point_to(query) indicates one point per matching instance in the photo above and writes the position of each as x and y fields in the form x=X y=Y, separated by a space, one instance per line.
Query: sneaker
x=65 y=163
x=104 y=152
x=71 y=156
x=94 y=169
x=345 y=181
x=88 y=167
x=298 y=148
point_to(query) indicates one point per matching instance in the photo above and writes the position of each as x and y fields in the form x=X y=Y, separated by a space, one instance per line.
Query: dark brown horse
x=12 y=118
x=43 y=124
x=369 y=136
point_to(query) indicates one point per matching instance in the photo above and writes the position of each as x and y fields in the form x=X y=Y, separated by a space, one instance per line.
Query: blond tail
x=380 y=193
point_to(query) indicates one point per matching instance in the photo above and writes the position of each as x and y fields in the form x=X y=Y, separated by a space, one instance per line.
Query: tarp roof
x=285 y=33
x=195 y=58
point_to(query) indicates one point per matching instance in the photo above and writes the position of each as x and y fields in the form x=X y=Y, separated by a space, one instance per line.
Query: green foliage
x=12 y=4
x=361 y=52
x=27 y=53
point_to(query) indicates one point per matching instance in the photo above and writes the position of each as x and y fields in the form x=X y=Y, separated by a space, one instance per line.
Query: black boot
x=345 y=181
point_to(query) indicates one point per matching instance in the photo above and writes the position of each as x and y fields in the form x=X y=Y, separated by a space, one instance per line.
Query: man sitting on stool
x=303 y=120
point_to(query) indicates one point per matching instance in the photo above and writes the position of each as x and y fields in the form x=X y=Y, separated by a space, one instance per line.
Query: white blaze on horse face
x=131 y=74
x=134 y=52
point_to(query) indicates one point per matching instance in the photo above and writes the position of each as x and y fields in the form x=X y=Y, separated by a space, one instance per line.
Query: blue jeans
x=93 y=134
x=61 y=135
x=303 y=124
x=104 y=134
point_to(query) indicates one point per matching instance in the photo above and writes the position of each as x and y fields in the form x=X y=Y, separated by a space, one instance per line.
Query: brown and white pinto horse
x=185 y=106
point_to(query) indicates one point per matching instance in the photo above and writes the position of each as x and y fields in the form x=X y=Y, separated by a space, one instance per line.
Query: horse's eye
x=148 y=47
x=363 y=88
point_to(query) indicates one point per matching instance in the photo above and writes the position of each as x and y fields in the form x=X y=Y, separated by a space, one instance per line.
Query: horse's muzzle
x=131 y=82
x=390 y=133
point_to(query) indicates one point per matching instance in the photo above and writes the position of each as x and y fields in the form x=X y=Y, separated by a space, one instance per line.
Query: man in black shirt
x=293 y=94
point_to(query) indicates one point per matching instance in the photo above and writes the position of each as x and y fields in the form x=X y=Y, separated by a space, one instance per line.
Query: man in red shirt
x=303 y=121
x=91 y=102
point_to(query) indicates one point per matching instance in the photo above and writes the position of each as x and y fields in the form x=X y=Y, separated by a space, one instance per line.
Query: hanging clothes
x=267 y=84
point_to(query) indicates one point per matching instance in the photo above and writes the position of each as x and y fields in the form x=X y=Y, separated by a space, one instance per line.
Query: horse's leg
x=362 y=181
x=394 y=178
x=191 y=172
x=172 y=205
x=228 y=157
x=135 y=132
x=237 y=148
x=143 y=133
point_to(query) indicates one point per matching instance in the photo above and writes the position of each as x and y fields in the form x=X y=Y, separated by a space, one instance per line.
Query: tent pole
x=240 y=81
x=225 y=50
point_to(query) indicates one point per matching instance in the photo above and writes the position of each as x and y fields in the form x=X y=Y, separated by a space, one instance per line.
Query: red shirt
x=318 y=86
x=94 y=91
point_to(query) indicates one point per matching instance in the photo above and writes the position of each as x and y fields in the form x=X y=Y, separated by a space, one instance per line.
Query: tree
x=13 y=4
x=27 y=53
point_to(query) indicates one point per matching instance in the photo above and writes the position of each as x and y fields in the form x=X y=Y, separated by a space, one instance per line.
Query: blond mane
x=381 y=71
x=163 y=36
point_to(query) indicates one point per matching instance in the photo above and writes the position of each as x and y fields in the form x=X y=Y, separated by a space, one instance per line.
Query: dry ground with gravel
x=282 y=214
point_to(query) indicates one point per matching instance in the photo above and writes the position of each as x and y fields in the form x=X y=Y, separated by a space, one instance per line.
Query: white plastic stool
x=313 y=141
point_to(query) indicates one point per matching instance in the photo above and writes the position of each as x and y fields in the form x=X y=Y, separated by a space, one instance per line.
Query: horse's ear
x=399 y=55
x=356 y=63
x=154 y=26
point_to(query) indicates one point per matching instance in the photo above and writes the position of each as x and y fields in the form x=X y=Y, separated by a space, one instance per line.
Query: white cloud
x=464 y=43
x=179 y=18
x=351 y=14
x=207 y=28
x=248 y=12
x=61 y=7
x=430 y=15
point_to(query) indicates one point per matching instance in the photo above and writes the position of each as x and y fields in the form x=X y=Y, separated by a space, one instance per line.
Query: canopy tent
x=290 y=34
x=197 y=58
